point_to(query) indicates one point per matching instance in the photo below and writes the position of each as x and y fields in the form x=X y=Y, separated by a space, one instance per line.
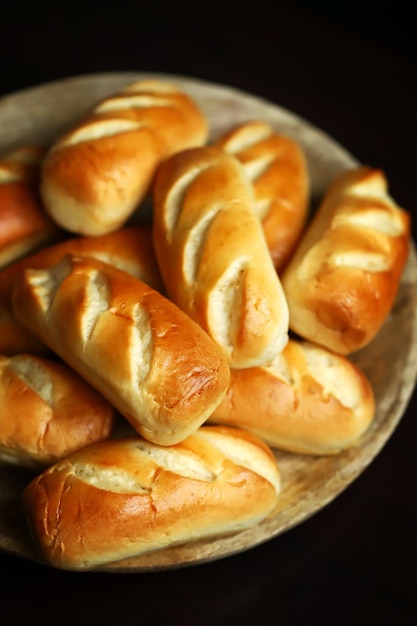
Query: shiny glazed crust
x=277 y=168
x=213 y=256
x=343 y=278
x=129 y=249
x=309 y=401
x=97 y=174
x=24 y=224
x=125 y=497
x=149 y=359
x=47 y=411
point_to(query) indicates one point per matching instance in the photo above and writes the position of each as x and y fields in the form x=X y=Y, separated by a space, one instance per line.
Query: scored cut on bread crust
x=213 y=256
x=308 y=401
x=277 y=167
x=125 y=497
x=47 y=411
x=136 y=347
x=129 y=248
x=97 y=174
x=343 y=278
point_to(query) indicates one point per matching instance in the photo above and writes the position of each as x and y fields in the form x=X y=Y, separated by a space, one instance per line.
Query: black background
x=350 y=69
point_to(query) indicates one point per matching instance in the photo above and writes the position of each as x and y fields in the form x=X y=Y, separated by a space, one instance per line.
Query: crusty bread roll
x=147 y=357
x=24 y=224
x=343 y=278
x=277 y=167
x=129 y=249
x=308 y=401
x=96 y=174
x=213 y=256
x=122 y=498
x=47 y=411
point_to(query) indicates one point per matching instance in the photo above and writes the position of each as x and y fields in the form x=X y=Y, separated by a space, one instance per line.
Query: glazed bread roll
x=24 y=224
x=147 y=357
x=122 y=498
x=47 y=412
x=308 y=401
x=129 y=249
x=96 y=175
x=213 y=256
x=277 y=167
x=343 y=278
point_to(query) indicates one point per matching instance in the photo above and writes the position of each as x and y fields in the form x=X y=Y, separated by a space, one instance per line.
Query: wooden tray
x=38 y=115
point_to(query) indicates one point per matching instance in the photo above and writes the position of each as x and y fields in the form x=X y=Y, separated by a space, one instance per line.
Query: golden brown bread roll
x=129 y=249
x=277 y=167
x=308 y=401
x=343 y=278
x=47 y=411
x=24 y=224
x=97 y=174
x=122 y=498
x=147 y=357
x=213 y=256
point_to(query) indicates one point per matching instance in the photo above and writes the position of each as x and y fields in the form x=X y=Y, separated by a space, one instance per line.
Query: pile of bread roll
x=150 y=365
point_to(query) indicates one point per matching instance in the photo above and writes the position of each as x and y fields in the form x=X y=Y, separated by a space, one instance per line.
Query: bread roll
x=47 y=412
x=97 y=174
x=277 y=167
x=125 y=497
x=309 y=401
x=343 y=278
x=24 y=225
x=129 y=249
x=151 y=361
x=213 y=256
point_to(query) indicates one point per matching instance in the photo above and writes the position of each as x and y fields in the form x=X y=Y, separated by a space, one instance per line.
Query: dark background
x=350 y=68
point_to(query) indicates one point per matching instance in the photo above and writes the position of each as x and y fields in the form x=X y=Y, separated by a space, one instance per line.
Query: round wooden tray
x=38 y=115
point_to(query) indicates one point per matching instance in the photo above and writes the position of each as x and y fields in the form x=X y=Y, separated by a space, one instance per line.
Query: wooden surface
x=354 y=560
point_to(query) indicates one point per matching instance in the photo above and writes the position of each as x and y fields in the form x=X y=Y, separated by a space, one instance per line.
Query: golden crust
x=152 y=362
x=213 y=256
x=277 y=168
x=24 y=225
x=125 y=497
x=309 y=401
x=47 y=411
x=98 y=173
x=343 y=278
x=130 y=248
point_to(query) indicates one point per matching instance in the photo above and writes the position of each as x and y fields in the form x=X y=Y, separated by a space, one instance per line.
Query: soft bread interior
x=334 y=376
x=244 y=453
x=190 y=459
x=31 y=371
